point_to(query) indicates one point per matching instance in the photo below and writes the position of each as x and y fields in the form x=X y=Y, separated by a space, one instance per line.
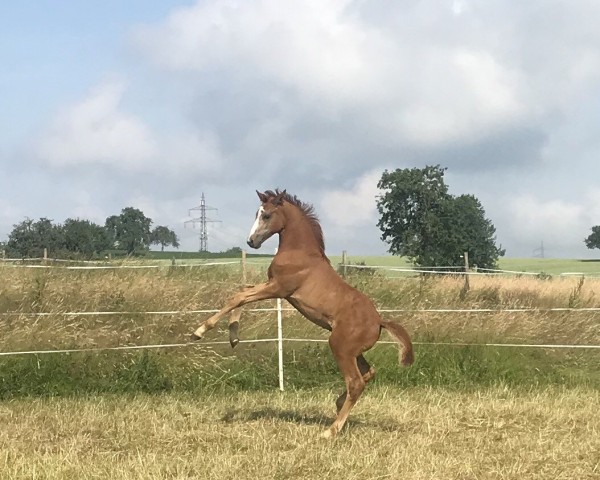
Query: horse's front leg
x=234 y=323
x=263 y=291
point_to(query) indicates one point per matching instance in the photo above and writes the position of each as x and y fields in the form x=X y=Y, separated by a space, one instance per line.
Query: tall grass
x=253 y=366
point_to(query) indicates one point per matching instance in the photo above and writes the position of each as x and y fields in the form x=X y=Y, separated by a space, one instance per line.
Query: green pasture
x=550 y=266
x=553 y=266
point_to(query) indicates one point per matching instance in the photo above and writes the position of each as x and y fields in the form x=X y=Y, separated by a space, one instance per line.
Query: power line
x=203 y=220
x=539 y=252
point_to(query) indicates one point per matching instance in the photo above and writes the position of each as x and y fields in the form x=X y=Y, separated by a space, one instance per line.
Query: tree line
x=130 y=233
x=419 y=219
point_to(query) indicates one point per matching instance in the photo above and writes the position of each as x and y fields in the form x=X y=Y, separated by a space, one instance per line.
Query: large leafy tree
x=29 y=238
x=84 y=237
x=163 y=236
x=129 y=231
x=593 y=240
x=422 y=221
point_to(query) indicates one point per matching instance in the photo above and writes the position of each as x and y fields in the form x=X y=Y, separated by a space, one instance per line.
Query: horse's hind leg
x=354 y=388
x=345 y=353
x=367 y=372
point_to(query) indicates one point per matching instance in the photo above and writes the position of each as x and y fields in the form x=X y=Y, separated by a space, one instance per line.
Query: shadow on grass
x=310 y=418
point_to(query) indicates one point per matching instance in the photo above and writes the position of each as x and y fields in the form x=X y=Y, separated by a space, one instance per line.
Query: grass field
x=553 y=266
x=420 y=433
x=533 y=265
x=459 y=412
x=544 y=266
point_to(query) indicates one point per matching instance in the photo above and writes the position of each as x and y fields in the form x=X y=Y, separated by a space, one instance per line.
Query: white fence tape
x=280 y=339
x=298 y=340
x=133 y=267
x=116 y=312
x=440 y=270
x=132 y=347
x=381 y=310
x=459 y=344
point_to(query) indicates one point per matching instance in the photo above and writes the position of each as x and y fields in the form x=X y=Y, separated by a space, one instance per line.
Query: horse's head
x=269 y=219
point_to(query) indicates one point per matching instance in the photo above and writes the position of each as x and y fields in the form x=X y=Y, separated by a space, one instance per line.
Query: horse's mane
x=309 y=212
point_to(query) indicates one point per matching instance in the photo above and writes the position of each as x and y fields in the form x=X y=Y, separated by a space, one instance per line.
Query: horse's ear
x=278 y=200
x=263 y=198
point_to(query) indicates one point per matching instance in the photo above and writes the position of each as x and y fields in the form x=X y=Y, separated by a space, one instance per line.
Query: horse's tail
x=399 y=334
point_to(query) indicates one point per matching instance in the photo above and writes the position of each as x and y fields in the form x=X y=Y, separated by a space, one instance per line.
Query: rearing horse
x=301 y=273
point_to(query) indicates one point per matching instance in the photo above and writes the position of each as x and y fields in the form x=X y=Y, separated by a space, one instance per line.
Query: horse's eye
x=266 y=216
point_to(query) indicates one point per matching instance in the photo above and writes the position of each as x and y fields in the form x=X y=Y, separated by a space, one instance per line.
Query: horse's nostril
x=249 y=242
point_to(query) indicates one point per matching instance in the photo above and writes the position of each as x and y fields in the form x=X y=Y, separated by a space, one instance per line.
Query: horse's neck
x=298 y=234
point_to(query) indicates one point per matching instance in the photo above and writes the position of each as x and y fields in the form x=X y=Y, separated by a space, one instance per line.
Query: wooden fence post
x=244 y=275
x=234 y=319
x=467 y=284
x=344 y=263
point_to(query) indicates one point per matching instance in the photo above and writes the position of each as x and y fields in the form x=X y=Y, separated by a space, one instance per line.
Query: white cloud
x=312 y=46
x=465 y=93
x=560 y=224
x=7 y=211
x=354 y=206
x=458 y=6
x=593 y=206
x=417 y=89
x=97 y=131
x=84 y=206
x=533 y=215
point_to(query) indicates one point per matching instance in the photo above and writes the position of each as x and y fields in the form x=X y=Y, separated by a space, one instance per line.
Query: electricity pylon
x=203 y=220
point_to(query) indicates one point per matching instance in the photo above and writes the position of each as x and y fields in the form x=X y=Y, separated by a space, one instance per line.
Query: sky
x=149 y=104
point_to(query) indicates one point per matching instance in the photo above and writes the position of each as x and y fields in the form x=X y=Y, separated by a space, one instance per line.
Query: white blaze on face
x=256 y=222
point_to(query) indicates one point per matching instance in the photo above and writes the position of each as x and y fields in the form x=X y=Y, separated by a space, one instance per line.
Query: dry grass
x=420 y=433
x=423 y=433
x=56 y=291
x=496 y=293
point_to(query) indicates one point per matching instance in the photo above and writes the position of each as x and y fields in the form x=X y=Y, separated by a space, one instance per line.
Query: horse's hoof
x=234 y=342
x=327 y=434
x=197 y=335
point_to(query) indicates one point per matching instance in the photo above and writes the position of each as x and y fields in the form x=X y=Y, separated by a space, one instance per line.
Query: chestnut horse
x=301 y=273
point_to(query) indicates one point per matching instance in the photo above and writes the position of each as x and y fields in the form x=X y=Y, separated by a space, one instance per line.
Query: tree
x=422 y=221
x=472 y=233
x=129 y=231
x=29 y=238
x=84 y=237
x=593 y=240
x=163 y=236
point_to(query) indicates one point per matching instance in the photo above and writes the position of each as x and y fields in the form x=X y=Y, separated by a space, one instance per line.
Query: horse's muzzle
x=252 y=244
